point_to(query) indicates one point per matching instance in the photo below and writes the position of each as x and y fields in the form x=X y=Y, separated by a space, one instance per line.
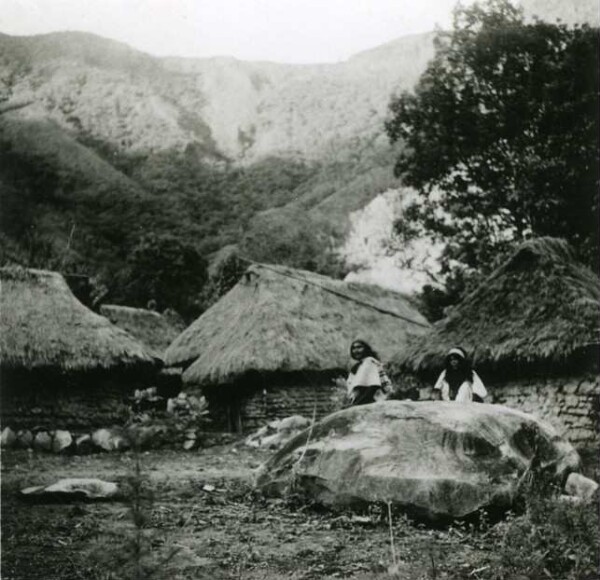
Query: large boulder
x=435 y=459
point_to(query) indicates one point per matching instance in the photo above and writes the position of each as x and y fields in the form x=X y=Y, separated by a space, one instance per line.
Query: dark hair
x=464 y=372
x=368 y=352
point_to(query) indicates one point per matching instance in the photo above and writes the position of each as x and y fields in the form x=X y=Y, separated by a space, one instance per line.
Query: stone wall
x=571 y=405
x=277 y=402
x=77 y=405
x=247 y=409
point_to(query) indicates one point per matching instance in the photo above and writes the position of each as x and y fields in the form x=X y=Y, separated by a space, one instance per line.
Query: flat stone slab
x=72 y=489
x=437 y=459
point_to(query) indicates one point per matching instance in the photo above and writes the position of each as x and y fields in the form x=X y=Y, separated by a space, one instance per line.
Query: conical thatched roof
x=281 y=319
x=539 y=308
x=43 y=325
x=155 y=331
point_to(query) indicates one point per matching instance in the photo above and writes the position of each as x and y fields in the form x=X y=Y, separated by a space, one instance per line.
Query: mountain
x=567 y=11
x=242 y=111
x=101 y=144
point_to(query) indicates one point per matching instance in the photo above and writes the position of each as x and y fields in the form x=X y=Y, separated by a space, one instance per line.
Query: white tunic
x=465 y=391
x=366 y=375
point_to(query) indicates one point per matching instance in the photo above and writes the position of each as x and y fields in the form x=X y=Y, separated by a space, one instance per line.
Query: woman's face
x=454 y=361
x=358 y=351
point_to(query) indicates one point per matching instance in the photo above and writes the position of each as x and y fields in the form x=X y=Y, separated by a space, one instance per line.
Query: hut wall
x=570 y=404
x=76 y=407
x=247 y=409
x=279 y=401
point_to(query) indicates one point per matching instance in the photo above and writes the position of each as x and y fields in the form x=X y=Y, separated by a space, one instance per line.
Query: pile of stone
x=62 y=441
x=177 y=425
x=276 y=434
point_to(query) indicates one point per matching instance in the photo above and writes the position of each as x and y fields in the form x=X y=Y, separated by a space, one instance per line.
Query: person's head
x=359 y=349
x=456 y=359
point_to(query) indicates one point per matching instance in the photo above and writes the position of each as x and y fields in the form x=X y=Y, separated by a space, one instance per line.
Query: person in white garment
x=367 y=381
x=458 y=381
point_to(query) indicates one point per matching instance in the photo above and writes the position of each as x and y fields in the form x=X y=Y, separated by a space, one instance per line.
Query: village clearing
x=198 y=517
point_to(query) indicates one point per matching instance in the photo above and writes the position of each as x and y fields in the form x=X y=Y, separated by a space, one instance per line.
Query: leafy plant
x=501 y=138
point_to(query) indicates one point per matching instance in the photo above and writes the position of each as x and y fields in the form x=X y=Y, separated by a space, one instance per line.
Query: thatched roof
x=280 y=319
x=539 y=308
x=153 y=330
x=43 y=325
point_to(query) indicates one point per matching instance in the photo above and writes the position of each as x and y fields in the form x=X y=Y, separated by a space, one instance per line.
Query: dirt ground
x=198 y=517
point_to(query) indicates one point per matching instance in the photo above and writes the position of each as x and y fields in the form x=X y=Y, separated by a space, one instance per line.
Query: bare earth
x=205 y=521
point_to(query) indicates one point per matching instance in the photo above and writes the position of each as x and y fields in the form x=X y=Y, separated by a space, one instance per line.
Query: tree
x=292 y=237
x=166 y=270
x=501 y=137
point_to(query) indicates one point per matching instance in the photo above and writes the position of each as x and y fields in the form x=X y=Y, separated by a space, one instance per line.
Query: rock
x=62 y=440
x=435 y=459
x=72 y=489
x=110 y=440
x=24 y=438
x=8 y=438
x=189 y=444
x=275 y=434
x=293 y=423
x=84 y=444
x=579 y=486
x=42 y=441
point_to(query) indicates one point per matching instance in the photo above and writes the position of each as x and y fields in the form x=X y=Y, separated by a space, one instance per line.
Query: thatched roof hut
x=278 y=319
x=540 y=309
x=155 y=331
x=43 y=325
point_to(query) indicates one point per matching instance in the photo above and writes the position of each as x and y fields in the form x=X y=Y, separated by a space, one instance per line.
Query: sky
x=289 y=31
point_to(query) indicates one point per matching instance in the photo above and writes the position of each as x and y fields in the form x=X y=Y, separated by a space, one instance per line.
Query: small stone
x=110 y=440
x=62 y=440
x=42 y=441
x=84 y=444
x=189 y=444
x=24 y=438
x=8 y=438
x=578 y=485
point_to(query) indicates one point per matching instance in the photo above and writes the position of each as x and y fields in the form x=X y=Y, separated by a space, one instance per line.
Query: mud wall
x=245 y=409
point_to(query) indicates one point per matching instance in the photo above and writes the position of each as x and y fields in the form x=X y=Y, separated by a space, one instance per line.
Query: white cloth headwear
x=457 y=352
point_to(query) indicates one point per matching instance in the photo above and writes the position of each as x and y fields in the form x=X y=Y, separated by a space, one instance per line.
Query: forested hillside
x=117 y=156
x=135 y=170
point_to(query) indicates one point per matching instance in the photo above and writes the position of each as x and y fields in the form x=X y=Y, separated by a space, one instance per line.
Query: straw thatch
x=42 y=325
x=539 y=308
x=153 y=330
x=281 y=319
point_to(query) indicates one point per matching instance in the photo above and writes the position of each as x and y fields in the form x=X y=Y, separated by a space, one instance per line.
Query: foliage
x=143 y=225
x=165 y=269
x=501 y=137
x=151 y=424
x=225 y=271
x=295 y=239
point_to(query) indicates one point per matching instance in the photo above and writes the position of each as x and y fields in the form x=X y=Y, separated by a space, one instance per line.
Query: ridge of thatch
x=539 y=307
x=281 y=319
x=43 y=325
x=155 y=331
